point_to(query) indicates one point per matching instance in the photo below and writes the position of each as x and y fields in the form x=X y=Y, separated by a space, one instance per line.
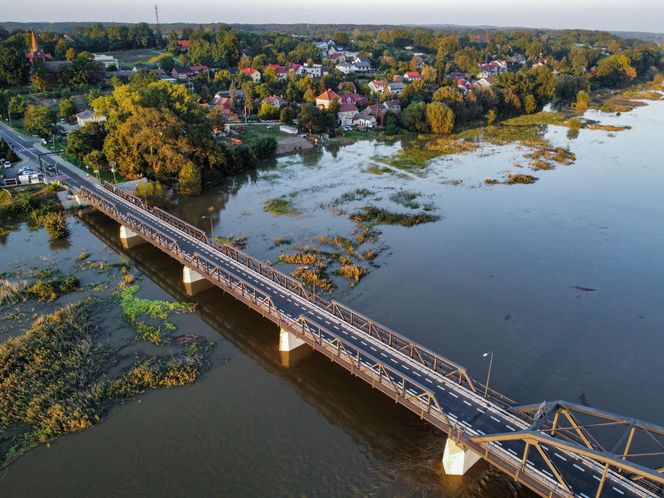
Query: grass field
x=127 y=58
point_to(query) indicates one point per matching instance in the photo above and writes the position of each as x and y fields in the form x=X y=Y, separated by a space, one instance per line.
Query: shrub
x=56 y=225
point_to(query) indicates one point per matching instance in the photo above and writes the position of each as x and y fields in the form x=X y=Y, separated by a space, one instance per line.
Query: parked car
x=7 y=164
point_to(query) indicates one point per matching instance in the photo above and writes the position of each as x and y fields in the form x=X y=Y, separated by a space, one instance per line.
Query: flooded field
x=562 y=279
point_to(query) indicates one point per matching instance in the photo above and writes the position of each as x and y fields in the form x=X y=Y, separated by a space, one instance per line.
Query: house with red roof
x=252 y=73
x=281 y=71
x=275 y=101
x=325 y=99
x=411 y=75
x=183 y=45
x=353 y=98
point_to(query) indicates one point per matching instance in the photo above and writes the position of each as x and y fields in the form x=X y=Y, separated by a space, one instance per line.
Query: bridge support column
x=456 y=460
x=193 y=281
x=289 y=341
x=130 y=238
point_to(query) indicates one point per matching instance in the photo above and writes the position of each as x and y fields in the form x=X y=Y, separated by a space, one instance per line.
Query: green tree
x=268 y=111
x=440 y=118
x=39 y=120
x=67 y=108
x=529 y=104
x=16 y=106
x=286 y=115
x=311 y=118
x=491 y=117
x=414 y=117
x=582 y=100
x=154 y=193
x=189 y=180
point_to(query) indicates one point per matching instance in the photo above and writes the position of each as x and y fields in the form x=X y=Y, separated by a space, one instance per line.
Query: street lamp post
x=112 y=165
x=488 y=375
x=211 y=226
x=313 y=282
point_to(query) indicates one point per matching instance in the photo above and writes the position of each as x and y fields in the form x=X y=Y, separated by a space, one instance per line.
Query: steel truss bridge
x=557 y=449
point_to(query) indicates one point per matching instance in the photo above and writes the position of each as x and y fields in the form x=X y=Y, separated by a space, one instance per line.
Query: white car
x=7 y=164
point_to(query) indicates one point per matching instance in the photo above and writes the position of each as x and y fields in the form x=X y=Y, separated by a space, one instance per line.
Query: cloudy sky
x=635 y=15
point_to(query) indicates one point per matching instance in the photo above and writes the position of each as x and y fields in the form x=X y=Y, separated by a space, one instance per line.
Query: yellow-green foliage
x=279 y=207
x=352 y=272
x=52 y=381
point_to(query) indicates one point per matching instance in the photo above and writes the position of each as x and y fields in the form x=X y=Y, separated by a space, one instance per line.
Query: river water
x=562 y=279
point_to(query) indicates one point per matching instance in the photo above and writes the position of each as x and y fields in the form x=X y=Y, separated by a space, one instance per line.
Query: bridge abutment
x=456 y=460
x=289 y=341
x=193 y=281
x=130 y=238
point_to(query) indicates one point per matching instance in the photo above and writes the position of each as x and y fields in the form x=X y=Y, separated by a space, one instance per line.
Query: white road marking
x=561 y=457
x=467 y=402
x=577 y=467
x=494 y=418
x=618 y=490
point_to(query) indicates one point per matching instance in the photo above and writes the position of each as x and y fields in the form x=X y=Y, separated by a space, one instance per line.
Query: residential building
x=182 y=73
x=275 y=101
x=252 y=73
x=411 y=75
x=492 y=69
x=353 y=98
x=183 y=45
x=346 y=114
x=378 y=86
x=325 y=99
x=395 y=87
x=87 y=116
x=281 y=71
x=393 y=105
x=364 y=120
x=313 y=70
x=106 y=60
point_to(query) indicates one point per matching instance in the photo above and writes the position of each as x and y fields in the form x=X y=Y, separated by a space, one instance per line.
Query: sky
x=622 y=15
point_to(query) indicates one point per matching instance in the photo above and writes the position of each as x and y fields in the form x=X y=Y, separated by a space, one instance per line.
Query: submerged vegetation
x=237 y=241
x=149 y=316
x=280 y=207
x=380 y=216
x=54 y=381
x=36 y=205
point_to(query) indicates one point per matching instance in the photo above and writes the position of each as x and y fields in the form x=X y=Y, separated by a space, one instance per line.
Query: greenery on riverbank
x=36 y=205
x=54 y=379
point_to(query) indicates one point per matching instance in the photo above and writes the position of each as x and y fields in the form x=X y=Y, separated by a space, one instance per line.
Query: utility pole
x=156 y=13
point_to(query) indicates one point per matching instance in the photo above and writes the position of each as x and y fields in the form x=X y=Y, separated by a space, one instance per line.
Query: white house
x=87 y=116
x=346 y=114
x=313 y=70
x=345 y=68
x=364 y=120
x=106 y=60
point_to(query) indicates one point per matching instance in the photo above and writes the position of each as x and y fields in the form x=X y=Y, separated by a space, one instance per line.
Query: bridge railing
x=390 y=338
x=407 y=392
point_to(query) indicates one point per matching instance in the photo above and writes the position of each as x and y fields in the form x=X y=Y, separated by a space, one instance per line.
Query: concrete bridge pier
x=289 y=341
x=193 y=281
x=130 y=238
x=456 y=460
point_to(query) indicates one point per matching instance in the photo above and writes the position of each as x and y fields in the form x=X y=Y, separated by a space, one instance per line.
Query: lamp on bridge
x=211 y=227
x=488 y=375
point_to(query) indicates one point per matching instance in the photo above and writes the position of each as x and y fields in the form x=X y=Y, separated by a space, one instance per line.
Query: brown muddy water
x=502 y=270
